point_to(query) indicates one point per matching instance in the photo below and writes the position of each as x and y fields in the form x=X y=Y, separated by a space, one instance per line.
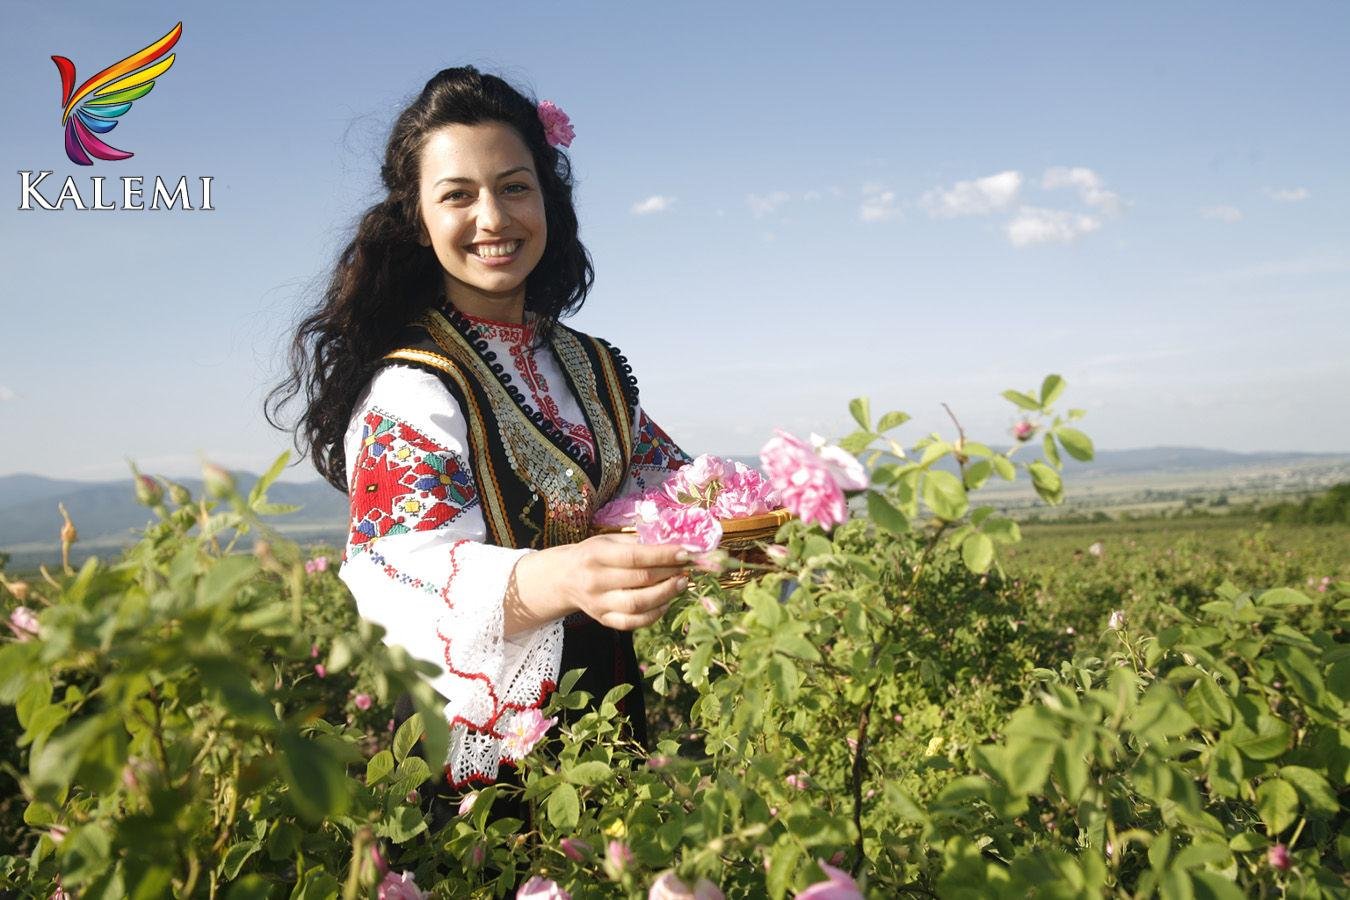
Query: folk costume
x=467 y=450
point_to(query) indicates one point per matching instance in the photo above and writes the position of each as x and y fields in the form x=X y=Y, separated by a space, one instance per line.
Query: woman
x=474 y=434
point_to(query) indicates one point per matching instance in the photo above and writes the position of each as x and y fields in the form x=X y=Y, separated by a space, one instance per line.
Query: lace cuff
x=490 y=677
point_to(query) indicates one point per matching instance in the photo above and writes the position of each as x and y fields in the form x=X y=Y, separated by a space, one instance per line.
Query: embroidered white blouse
x=416 y=558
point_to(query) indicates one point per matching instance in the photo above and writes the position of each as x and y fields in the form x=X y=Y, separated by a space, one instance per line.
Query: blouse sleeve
x=417 y=564
x=655 y=456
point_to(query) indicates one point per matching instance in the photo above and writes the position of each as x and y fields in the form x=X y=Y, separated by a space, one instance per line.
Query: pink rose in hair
x=557 y=126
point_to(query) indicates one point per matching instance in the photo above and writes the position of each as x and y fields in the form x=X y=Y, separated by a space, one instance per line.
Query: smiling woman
x=474 y=434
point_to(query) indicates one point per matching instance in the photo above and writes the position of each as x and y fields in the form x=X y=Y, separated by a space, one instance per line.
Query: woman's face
x=482 y=212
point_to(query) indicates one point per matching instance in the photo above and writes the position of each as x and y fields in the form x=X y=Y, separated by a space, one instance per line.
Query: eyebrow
x=500 y=176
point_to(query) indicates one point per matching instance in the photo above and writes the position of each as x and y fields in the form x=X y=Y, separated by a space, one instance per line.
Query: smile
x=496 y=251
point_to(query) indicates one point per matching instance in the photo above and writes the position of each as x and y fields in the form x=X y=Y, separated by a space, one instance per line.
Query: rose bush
x=881 y=711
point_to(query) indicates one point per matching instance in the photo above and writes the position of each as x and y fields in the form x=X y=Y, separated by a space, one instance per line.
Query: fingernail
x=682 y=583
x=683 y=556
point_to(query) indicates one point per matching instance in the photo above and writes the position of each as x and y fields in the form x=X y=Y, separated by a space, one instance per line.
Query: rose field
x=925 y=699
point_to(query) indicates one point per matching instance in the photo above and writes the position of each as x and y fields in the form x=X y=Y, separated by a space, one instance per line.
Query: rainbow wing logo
x=95 y=107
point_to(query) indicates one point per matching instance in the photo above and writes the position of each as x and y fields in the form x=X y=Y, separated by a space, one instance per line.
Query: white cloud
x=878 y=204
x=1088 y=184
x=653 y=204
x=6 y=394
x=973 y=198
x=811 y=195
x=1034 y=225
x=1222 y=213
x=1288 y=195
x=767 y=203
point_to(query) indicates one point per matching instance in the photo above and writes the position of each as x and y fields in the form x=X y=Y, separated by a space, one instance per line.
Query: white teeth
x=497 y=249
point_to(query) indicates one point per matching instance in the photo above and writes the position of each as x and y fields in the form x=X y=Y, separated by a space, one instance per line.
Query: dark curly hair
x=384 y=278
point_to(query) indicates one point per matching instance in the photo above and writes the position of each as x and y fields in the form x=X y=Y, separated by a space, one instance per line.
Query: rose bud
x=1278 y=857
x=1023 y=430
x=179 y=494
x=362 y=701
x=574 y=849
x=149 y=492
x=218 y=482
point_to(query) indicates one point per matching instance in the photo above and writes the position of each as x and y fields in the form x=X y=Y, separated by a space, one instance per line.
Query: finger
x=639 y=601
x=618 y=579
x=632 y=555
x=621 y=622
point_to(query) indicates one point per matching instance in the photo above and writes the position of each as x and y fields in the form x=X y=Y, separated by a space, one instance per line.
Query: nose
x=492 y=214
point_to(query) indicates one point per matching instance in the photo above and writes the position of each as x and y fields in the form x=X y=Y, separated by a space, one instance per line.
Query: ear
x=422 y=237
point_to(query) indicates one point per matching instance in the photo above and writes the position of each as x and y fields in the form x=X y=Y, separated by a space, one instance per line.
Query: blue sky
x=788 y=205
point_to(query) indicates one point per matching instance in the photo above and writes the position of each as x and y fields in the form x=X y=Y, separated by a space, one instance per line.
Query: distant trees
x=1329 y=508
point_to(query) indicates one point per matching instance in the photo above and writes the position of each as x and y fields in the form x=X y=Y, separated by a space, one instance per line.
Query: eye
x=454 y=194
x=523 y=187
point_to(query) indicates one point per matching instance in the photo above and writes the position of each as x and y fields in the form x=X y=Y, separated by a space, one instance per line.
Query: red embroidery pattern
x=518 y=339
x=403 y=481
x=654 y=450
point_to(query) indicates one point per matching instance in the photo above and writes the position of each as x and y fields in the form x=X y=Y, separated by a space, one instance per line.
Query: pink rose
x=400 y=886
x=811 y=486
x=798 y=782
x=24 y=623
x=557 y=126
x=525 y=729
x=1023 y=430
x=669 y=887
x=693 y=528
x=362 y=701
x=574 y=849
x=839 y=885
x=321 y=670
x=1278 y=857
x=539 y=888
x=619 y=512
x=617 y=858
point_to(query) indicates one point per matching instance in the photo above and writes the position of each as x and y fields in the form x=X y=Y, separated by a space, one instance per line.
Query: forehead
x=478 y=152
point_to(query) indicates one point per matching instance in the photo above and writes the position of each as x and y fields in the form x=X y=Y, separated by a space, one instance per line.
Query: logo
x=95 y=108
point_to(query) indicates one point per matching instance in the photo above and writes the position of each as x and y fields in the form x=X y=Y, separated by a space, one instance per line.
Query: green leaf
x=315 y=777
x=857 y=442
x=891 y=420
x=944 y=495
x=1047 y=483
x=273 y=472
x=1208 y=704
x=229 y=682
x=224 y=578
x=1283 y=597
x=588 y=773
x=1277 y=804
x=1028 y=762
x=403 y=824
x=53 y=766
x=978 y=552
x=886 y=515
x=235 y=857
x=380 y=765
x=1269 y=740
x=978 y=473
x=1213 y=886
x=1051 y=453
x=1023 y=400
x=564 y=808
x=1002 y=531
x=1051 y=388
x=407 y=736
x=1248 y=841
x=1225 y=770
x=1076 y=444
x=1312 y=789
x=1004 y=467
x=862 y=412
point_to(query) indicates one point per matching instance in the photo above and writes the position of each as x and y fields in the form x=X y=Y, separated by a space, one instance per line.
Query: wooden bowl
x=740 y=538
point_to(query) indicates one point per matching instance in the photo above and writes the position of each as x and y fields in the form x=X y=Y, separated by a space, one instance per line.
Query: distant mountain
x=108 y=516
x=108 y=509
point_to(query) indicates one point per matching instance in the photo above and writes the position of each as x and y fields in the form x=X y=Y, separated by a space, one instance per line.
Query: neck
x=508 y=308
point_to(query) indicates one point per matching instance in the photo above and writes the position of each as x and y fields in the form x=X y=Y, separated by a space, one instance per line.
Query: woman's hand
x=610 y=577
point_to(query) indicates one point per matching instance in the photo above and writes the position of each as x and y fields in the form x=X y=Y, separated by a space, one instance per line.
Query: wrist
x=538 y=589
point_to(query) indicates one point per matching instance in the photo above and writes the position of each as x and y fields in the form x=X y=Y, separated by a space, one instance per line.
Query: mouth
x=496 y=251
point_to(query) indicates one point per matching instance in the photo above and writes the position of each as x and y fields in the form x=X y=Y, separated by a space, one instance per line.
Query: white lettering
x=128 y=192
x=98 y=194
x=70 y=192
x=180 y=192
x=30 y=191
x=206 y=192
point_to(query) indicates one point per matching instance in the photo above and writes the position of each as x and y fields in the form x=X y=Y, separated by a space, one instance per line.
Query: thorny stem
x=864 y=717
